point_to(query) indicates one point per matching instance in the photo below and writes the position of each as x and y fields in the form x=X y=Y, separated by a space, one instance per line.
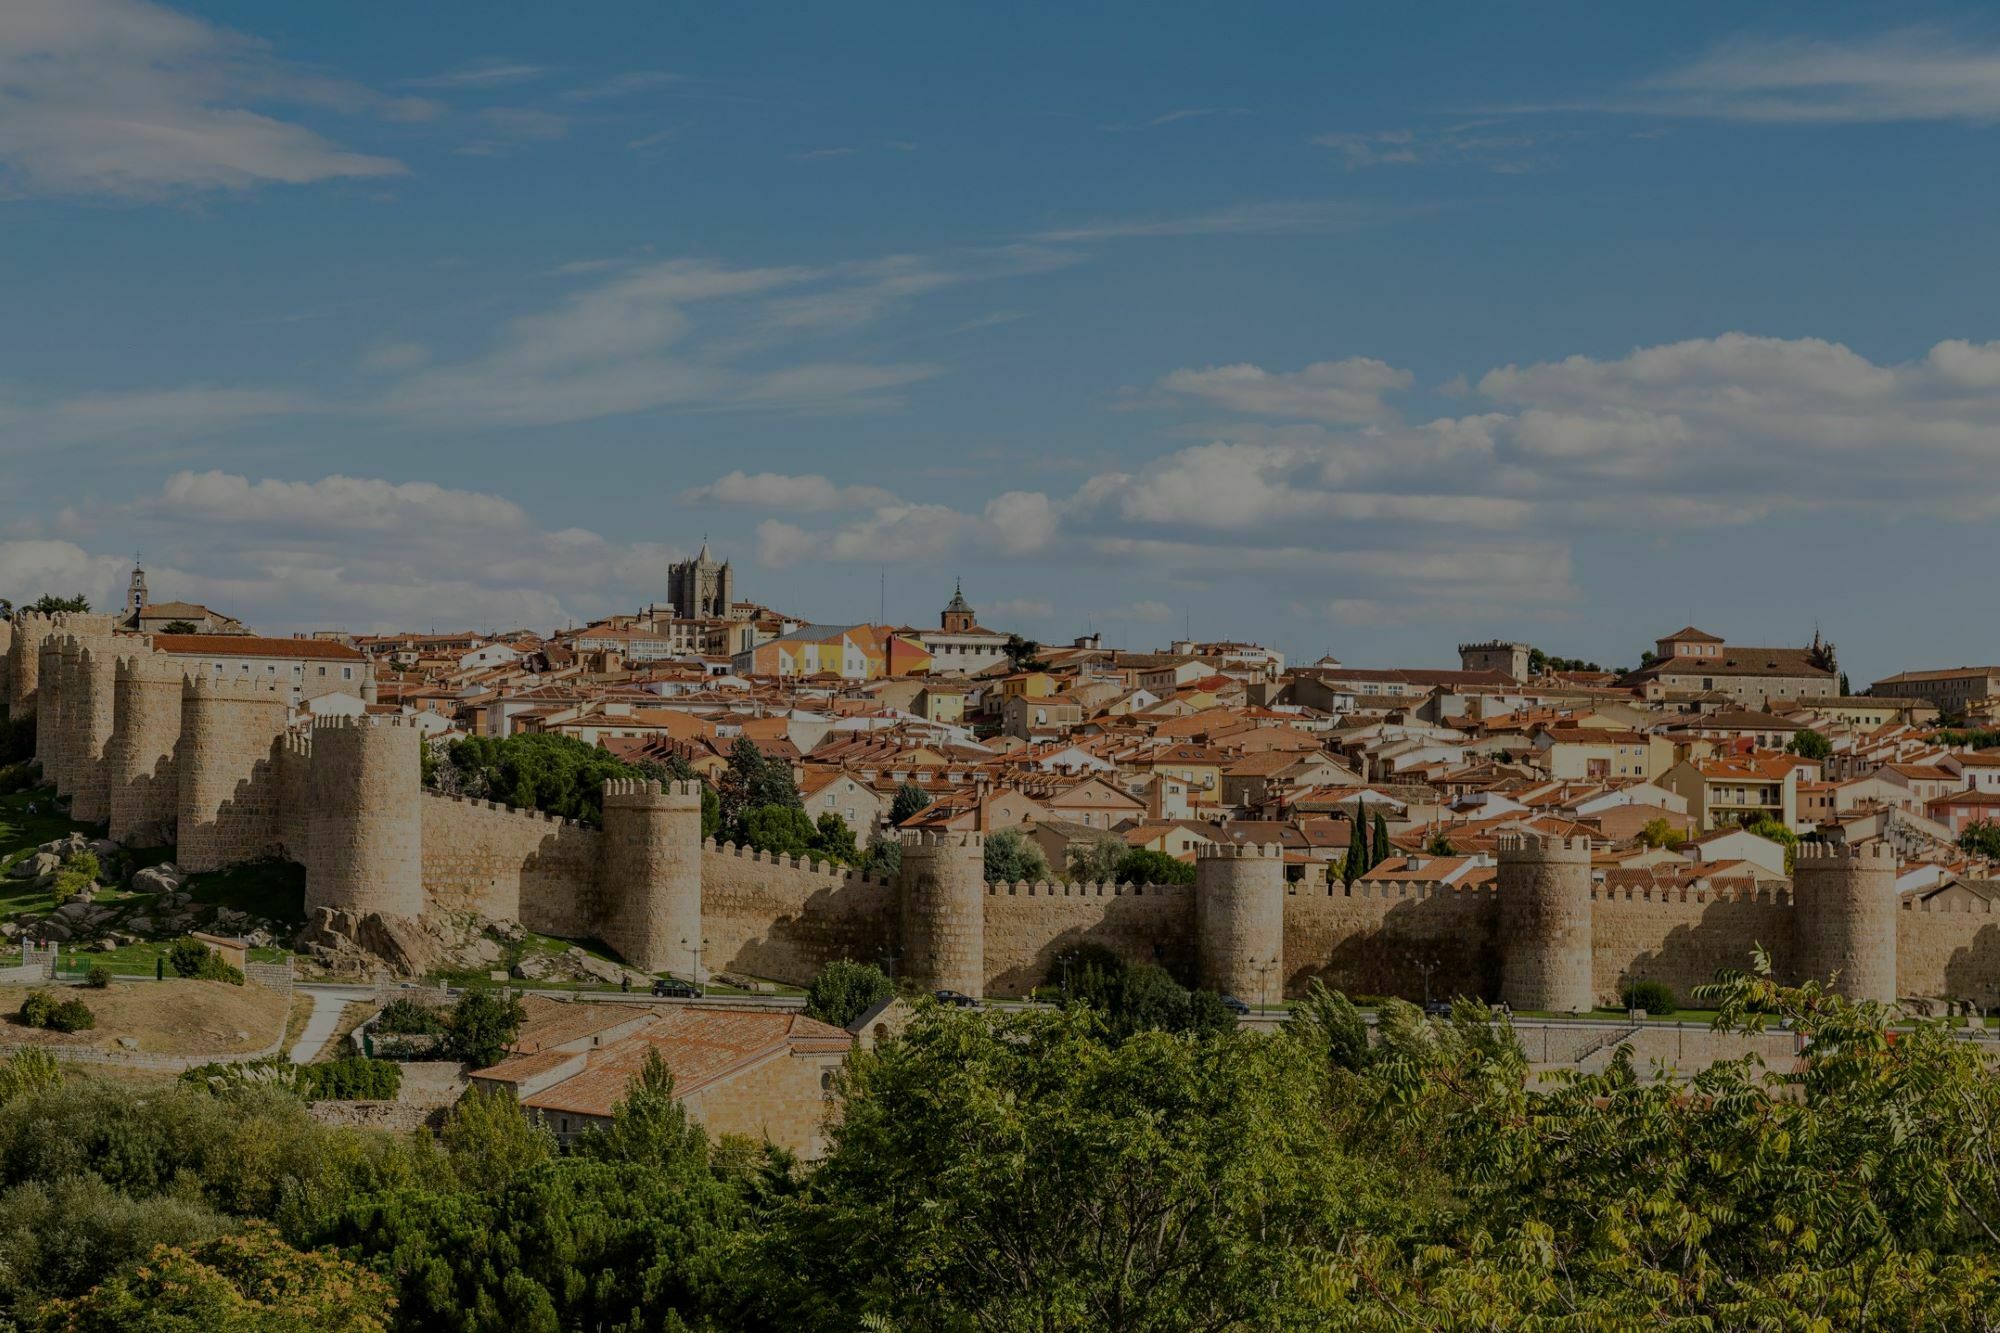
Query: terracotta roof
x=700 y=1046
x=250 y=645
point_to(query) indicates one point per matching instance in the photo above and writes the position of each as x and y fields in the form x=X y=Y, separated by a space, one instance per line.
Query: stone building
x=700 y=589
x=1509 y=659
x=1694 y=662
x=219 y=766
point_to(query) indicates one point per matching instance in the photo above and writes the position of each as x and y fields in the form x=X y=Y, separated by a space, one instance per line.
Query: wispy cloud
x=489 y=73
x=1256 y=219
x=620 y=85
x=1174 y=118
x=1912 y=74
x=814 y=153
x=1480 y=142
x=129 y=99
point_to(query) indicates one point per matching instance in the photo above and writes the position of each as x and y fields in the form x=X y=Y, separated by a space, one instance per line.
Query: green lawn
x=139 y=960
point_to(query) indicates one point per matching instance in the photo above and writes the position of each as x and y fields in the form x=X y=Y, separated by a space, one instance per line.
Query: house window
x=347 y=673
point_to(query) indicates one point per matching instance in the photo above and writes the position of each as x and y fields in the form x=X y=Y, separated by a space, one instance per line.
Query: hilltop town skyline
x=1361 y=337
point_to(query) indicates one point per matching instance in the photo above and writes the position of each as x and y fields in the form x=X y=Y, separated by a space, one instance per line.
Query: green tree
x=1439 y=844
x=1660 y=833
x=49 y=604
x=489 y=1141
x=910 y=800
x=1014 y=1172
x=248 y=1282
x=834 y=840
x=181 y=627
x=884 y=857
x=649 y=1127
x=1096 y=860
x=1011 y=858
x=782 y=830
x=482 y=1026
x=1379 y=847
x=1775 y=830
x=1981 y=838
x=557 y=775
x=1149 y=865
x=1327 y=1023
x=1809 y=744
x=1357 y=845
x=843 y=991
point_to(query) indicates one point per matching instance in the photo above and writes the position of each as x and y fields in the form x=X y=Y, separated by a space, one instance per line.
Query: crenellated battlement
x=625 y=791
x=501 y=807
x=1522 y=845
x=1240 y=851
x=1683 y=894
x=233 y=689
x=1820 y=854
x=1044 y=888
x=943 y=838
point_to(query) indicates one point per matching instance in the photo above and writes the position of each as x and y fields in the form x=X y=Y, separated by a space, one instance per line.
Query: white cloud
x=395 y=356
x=483 y=74
x=1144 y=612
x=1018 y=523
x=1015 y=608
x=1917 y=74
x=508 y=127
x=1275 y=218
x=129 y=99
x=621 y=85
x=1347 y=391
x=144 y=416
x=28 y=569
x=775 y=490
x=613 y=349
x=361 y=552
x=1478 y=142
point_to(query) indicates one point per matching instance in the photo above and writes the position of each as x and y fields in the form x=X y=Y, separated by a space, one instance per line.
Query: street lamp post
x=1425 y=969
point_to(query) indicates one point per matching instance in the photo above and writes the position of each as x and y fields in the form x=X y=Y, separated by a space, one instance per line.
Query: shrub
x=43 y=1010
x=352 y=1078
x=1655 y=997
x=35 y=1010
x=407 y=1016
x=844 y=991
x=482 y=1026
x=192 y=959
x=98 y=977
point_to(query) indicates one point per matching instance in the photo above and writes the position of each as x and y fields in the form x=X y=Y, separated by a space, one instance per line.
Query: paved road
x=327 y=1007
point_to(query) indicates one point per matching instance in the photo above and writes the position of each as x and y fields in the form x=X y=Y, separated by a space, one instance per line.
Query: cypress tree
x=1357 y=845
x=1380 y=845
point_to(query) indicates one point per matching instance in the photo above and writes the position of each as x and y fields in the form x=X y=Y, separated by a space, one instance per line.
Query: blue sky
x=1339 y=330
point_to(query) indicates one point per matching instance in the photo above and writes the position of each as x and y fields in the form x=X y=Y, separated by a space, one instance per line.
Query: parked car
x=673 y=988
x=1235 y=1006
x=952 y=997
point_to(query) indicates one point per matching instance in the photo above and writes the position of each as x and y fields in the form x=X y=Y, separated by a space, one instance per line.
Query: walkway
x=325 y=1018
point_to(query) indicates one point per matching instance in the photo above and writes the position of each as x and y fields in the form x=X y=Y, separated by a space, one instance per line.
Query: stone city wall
x=1029 y=925
x=784 y=917
x=510 y=865
x=1949 y=954
x=1682 y=937
x=1377 y=939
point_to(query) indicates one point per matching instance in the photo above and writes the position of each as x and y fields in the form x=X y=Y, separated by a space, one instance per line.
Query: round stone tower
x=1844 y=906
x=1545 y=936
x=145 y=730
x=24 y=661
x=60 y=765
x=1239 y=916
x=226 y=810
x=48 y=707
x=364 y=840
x=650 y=879
x=89 y=726
x=943 y=908
x=6 y=661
